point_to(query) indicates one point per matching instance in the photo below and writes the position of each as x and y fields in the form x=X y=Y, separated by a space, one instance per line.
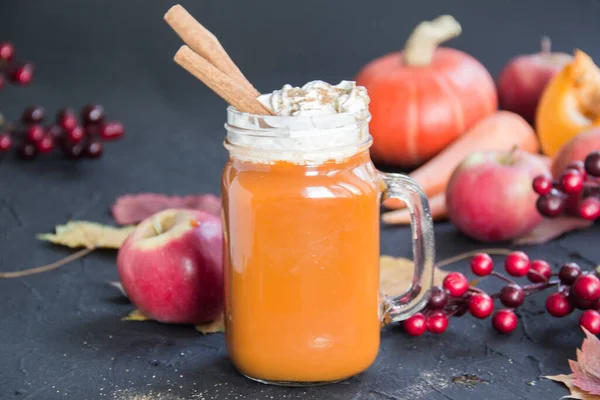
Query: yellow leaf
x=396 y=275
x=218 y=325
x=88 y=234
x=136 y=315
x=576 y=393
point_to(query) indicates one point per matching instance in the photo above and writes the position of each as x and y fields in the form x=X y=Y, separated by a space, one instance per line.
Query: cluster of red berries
x=16 y=72
x=574 y=289
x=75 y=138
x=575 y=192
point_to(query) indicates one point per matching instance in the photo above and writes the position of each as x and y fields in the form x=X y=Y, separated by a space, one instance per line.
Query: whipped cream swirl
x=317 y=98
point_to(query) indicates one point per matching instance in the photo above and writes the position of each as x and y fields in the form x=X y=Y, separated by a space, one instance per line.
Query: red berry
x=481 y=305
x=482 y=264
x=5 y=142
x=590 y=320
x=415 y=325
x=7 y=51
x=55 y=132
x=587 y=287
x=74 y=150
x=517 y=263
x=76 y=134
x=558 y=305
x=512 y=296
x=92 y=114
x=456 y=284
x=571 y=181
x=66 y=119
x=35 y=133
x=33 y=115
x=112 y=130
x=437 y=298
x=505 y=321
x=94 y=149
x=568 y=273
x=21 y=74
x=543 y=269
x=580 y=303
x=437 y=323
x=542 y=184
x=589 y=208
x=27 y=151
x=552 y=204
x=592 y=164
x=45 y=145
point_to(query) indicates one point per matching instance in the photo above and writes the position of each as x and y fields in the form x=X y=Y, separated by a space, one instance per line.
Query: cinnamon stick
x=206 y=44
x=222 y=84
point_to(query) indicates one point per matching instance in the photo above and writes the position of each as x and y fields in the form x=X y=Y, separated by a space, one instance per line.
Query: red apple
x=490 y=197
x=525 y=77
x=171 y=266
x=576 y=149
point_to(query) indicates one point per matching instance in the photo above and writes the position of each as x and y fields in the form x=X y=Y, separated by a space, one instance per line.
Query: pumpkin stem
x=546 y=45
x=426 y=37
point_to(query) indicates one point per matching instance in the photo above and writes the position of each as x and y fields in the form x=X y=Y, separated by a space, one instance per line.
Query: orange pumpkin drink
x=301 y=216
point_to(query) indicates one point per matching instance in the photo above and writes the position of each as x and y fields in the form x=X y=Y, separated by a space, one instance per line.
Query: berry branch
x=573 y=288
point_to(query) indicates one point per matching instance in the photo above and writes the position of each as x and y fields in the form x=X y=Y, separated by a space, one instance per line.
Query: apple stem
x=546 y=45
x=462 y=256
x=48 y=267
x=157 y=226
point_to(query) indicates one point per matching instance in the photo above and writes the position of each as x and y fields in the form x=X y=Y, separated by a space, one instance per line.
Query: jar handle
x=410 y=302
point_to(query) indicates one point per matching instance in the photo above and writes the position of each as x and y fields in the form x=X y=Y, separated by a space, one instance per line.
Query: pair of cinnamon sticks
x=204 y=57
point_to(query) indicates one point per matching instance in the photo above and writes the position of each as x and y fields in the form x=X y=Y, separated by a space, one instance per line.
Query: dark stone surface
x=60 y=333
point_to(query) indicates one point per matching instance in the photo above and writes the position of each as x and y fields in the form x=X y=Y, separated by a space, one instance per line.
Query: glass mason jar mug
x=301 y=204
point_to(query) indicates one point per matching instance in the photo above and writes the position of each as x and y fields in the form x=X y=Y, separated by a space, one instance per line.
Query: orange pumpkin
x=426 y=96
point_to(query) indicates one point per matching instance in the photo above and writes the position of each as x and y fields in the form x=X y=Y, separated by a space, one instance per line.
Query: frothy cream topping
x=317 y=98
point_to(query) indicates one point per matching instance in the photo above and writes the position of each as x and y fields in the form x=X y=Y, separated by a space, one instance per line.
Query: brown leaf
x=552 y=228
x=136 y=315
x=396 y=275
x=576 y=393
x=218 y=325
x=131 y=209
x=586 y=370
x=87 y=234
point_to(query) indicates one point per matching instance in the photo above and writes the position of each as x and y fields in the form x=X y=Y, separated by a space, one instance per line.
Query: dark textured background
x=60 y=333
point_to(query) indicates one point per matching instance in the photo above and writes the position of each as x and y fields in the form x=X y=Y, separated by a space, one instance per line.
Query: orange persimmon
x=570 y=104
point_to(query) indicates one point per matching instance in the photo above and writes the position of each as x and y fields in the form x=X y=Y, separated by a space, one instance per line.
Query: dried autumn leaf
x=136 y=315
x=396 y=274
x=218 y=325
x=131 y=209
x=87 y=234
x=551 y=228
x=584 y=382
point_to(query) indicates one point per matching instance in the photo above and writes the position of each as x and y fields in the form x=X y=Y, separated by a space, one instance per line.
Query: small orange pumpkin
x=426 y=96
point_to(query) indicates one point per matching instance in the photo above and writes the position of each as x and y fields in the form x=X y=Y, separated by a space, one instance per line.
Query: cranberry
x=481 y=305
x=437 y=298
x=587 y=287
x=35 y=133
x=590 y=320
x=512 y=296
x=542 y=185
x=112 y=130
x=456 y=284
x=92 y=114
x=589 y=208
x=558 y=305
x=482 y=264
x=5 y=142
x=540 y=271
x=45 y=145
x=76 y=134
x=7 y=51
x=33 y=115
x=592 y=164
x=437 y=323
x=27 y=151
x=415 y=325
x=552 y=204
x=568 y=273
x=505 y=321
x=55 y=132
x=571 y=181
x=517 y=263
x=66 y=119
x=21 y=74
x=94 y=149
x=74 y=150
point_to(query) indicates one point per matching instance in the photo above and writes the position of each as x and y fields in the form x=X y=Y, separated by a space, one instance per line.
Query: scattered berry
x=482 y=264
x=592 y=164
x=517 y=263
x=558 y=305
x=512 y=296
x=437 y=298
x=112 y=130
x=94 y=149
x=20 y=74
x=35 y=133
x=415 y=325
x=552 y=204
x=7 y=51
x=590 y=320
x=589 y=208
x=437 y=323
x=571 y=181
x=46 y=145
x=55 y=132
x=76 y=134
x=456 y=284
x=5 y=142
x=33 y=115
x=481 y=305
x=92 y=114
x=568 y=273
x=542 y=185
x=66 y=119
x=74 y=150
x=540 y=271
x=27 y=151
x=587 y=287
x=505 y=321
